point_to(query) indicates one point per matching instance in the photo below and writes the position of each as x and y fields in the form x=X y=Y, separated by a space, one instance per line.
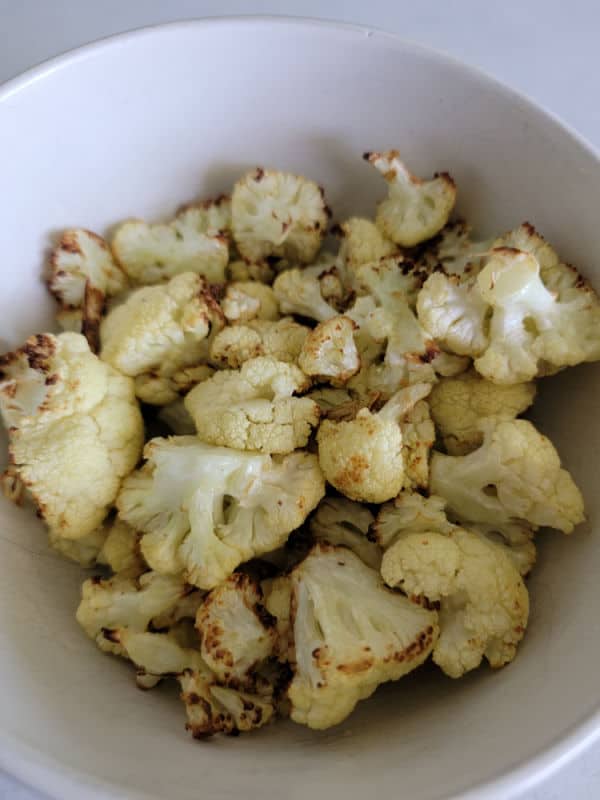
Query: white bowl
x=140 y=123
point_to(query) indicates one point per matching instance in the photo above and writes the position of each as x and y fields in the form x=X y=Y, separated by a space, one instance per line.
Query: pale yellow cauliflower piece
x=351 y=634
x=484 y=604
x=254 y=409
x=344 y=523
x=418 y=436
x=236 y=630
x=246 y=300
x=455 y=252
x=241 y=270
x=329 y=352
x=278 y=214
x=154 y=253
x=415 y=210
x=83 y=274
x=458 y=404
x=119 y=602
x=85 y=551
x=215 y=709
x=75 y=430
x=160 y=330
x=236 y=344
x=514 y=475
x=204 y=510
x=412 y=513
x=121 y=549
x=302 y=291
x=363 y=458
x=362 y=243
x=506 y=317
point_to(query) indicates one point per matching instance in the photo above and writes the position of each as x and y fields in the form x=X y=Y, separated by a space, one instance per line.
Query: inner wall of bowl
x=139 y=126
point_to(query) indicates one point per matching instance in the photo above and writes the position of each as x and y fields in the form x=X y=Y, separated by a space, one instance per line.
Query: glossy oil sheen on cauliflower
x=205 y=509
x=75 y=430
x=254 y=409
x=344 y=649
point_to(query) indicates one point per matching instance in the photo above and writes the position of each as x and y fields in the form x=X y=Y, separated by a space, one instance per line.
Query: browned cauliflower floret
x=236 y=344
x=83 y=274
x=329 y=351
x=246 y=300
x=236 y=631
x=364 y=458
x=415 y=210
x=278 y=214
x=351 y=633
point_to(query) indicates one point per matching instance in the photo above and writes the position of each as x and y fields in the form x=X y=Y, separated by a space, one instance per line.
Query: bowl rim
x=48 y=775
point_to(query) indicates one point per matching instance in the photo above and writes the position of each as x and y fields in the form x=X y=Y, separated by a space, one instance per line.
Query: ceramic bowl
x=140 y=123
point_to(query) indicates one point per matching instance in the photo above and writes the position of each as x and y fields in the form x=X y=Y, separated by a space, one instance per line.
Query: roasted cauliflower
x=204 y=510
x=254 y=409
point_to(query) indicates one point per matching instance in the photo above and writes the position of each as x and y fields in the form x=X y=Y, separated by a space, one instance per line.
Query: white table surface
x=548 y=49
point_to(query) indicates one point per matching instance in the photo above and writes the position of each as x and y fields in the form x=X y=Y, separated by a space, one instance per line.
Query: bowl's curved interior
x=135 y=127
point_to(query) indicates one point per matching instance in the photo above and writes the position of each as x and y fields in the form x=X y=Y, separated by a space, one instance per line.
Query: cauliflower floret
x=161 y=390
x=418 y=436
x=454 y=251
x=125 y=602
x=457 y=404
x=301 y=291
x=409 y=512
x=351 y=633
x=121 y=549
x=531 y=326
x=236 y=630
x=514 y=475
x=454 y=314
x=277 y=594
x=253 y=409
x=449 y=365
x=160 y=330
x=329 y=352
x=207 y=509
x=153 y=253
x=211 y=216
x=412 y=513
x=509 y=321
x=177 y=418
x=344 y=523
x=278 y=214
x=362 y=243
x=363 y=458
x=75 y=430
x=484 y=604
x=514 y=538
x=246 y=300
x=415 y=210
x=386 y=316
x=236 y=344
x=215 y=709
x=82 y=275
x=155 y=655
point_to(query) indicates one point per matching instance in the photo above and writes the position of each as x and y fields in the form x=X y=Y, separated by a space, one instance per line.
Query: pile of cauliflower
x=298 y=471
